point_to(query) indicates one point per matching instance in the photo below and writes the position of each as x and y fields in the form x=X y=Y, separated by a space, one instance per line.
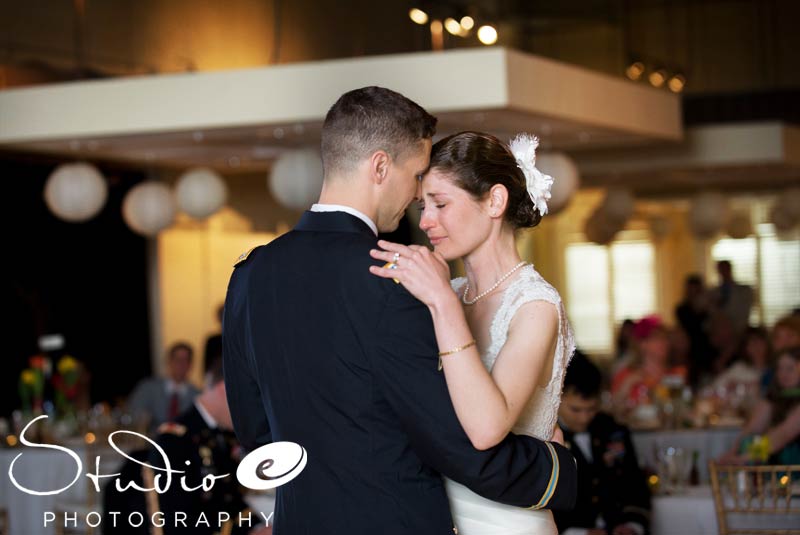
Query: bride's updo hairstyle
x=476 y=162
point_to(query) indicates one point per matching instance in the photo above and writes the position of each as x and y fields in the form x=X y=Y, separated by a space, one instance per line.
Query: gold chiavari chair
x=756 y=499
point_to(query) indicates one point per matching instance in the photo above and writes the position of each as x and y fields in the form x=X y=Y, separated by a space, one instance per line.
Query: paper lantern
x=708 y=214
x=740 y=226
x=599 y=229
x=782 y=220
x=296 y=178
x=75 y=192
x=149 y=208
x=618 y=205
x=789 y=202
x=660 y=227
x=200 y=192
x=566 y=179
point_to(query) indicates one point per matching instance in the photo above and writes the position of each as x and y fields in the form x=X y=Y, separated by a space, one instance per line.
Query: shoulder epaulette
x=244 y=256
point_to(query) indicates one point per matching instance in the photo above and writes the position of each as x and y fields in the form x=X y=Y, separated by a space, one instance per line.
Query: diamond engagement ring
x=395 y=258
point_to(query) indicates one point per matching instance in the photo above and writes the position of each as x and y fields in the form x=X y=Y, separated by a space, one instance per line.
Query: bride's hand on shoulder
x=422 y=272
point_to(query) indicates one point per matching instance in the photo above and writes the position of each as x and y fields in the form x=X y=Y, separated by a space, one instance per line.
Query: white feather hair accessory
x=523 y=147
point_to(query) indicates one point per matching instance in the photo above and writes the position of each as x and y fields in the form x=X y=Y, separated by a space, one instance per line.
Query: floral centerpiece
x=65 y=385
x=31 y=385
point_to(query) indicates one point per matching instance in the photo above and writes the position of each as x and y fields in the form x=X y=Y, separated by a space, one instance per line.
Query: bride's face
x=456 y=224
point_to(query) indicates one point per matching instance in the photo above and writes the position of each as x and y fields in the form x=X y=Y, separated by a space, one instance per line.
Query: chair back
x=756 y=499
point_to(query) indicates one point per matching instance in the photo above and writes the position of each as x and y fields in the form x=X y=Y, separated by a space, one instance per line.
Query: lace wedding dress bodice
x=541 y=413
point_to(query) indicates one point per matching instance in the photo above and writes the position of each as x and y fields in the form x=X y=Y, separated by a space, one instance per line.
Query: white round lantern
x=75 y=192
x=618 y=205
x=296 y=178
x=708 y=214
x=566 y=179
x=200 y=192
x=149 y=208
x=782 y=220
x=789 y=202
x=599 y=229
x=740 y=226
x=660 y=227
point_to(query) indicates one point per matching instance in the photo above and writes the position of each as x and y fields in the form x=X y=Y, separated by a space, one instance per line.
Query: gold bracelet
x=456 y=350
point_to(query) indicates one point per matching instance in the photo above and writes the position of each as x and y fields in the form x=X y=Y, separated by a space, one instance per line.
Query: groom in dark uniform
x=320 y=352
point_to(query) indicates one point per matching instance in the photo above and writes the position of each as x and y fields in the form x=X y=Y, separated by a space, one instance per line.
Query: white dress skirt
x=473 y=514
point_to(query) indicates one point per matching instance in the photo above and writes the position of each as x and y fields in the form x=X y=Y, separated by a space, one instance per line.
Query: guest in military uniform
x=202 y=435
x=613 y=497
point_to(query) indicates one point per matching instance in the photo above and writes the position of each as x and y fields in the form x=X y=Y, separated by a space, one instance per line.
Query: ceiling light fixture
x=487 y=35
x=418 y=16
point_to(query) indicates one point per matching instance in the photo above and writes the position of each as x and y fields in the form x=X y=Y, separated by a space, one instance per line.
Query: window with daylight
x=768 y=263
x=605 y=285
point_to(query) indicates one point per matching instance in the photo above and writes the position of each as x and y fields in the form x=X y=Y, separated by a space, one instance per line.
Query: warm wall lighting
x=487 y=35
x=635 y=70
x=677 y=83
x=467 y=23
x=452 y=26
x=418 y=16
x=657 y=78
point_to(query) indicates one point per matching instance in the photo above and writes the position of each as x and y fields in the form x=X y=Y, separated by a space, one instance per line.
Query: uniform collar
x=320 y=207
x=335 y=221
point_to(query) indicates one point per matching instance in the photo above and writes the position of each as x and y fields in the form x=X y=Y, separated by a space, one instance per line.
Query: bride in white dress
x=502 y=331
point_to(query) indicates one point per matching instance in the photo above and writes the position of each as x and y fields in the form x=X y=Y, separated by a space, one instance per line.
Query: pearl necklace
x=490 y=290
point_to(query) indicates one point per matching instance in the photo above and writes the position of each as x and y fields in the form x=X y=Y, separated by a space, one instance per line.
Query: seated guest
x=752 y=365
x=777 y=416
x=786 y=333
x=613 y=497
x=163 y=399
x=625 y=343
x=635 y=384
x=725 y=343
x=202 y=435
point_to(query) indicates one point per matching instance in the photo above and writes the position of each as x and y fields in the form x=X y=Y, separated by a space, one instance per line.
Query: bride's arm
x=486 y=405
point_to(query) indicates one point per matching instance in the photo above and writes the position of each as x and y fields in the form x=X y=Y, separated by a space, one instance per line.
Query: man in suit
x=613 y=497
x=320 y=352
x=162 y=399
x=732 y=299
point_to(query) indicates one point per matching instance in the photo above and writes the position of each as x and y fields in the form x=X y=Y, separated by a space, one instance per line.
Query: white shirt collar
x=173 y=387
x=210 y=421
x=347 y=209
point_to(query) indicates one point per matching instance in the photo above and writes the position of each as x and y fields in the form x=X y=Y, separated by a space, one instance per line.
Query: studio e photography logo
x=266 y=467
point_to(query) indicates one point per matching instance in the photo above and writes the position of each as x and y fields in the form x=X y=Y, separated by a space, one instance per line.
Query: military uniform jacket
x=612 y=486
x=209 y=451
x=320 y=352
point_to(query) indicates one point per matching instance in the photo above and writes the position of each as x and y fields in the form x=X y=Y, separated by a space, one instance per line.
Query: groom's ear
x=379 y=166
x=498 y=200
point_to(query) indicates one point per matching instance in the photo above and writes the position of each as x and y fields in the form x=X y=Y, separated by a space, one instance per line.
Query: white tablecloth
x=709 y=443
x=45 y=470
x=691 y=513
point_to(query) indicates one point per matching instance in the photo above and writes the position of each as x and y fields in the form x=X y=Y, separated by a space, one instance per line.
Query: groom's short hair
x=372 y=118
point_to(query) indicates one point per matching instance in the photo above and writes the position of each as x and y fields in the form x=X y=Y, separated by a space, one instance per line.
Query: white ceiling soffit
x=251 y=115
x=740 y=156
